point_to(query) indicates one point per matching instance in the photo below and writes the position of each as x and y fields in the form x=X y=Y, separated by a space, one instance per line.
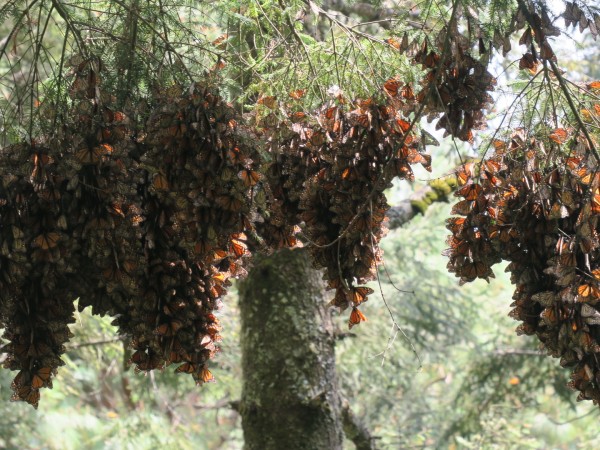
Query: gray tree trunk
x=290 y=398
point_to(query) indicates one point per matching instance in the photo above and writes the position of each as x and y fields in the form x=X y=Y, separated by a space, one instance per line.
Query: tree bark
x=290 y=398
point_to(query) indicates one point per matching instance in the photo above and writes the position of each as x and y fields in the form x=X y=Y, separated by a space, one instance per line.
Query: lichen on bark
x=290 y=398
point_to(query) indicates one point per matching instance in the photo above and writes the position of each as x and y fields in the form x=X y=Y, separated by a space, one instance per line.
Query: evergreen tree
x=130 y=182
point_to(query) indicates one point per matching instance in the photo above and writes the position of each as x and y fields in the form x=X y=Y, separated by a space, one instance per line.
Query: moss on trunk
x=290 y=398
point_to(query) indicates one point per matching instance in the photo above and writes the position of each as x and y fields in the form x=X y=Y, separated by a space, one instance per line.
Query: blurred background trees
x=455 y=374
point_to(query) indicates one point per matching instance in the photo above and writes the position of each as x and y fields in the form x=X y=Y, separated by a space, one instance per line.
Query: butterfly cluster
x=146 y=213
x=455 y=87
x=196 y=188
x=329 y=173
x=536 y=203
x=146 y=226
x=576 y=15
x=65 y=217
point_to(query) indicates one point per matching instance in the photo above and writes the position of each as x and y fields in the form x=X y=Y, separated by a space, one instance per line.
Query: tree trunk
x=290 y=398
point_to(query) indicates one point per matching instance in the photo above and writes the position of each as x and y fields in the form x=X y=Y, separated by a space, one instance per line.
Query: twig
x=225 y=402
x=355 y=429
x=94 y=343
x=592 y=410
x=517 y=352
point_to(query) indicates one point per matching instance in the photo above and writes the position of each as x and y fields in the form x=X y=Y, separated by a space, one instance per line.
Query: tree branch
x=225 y=402
x=356 y=430
x=436 y=191
x=517 y=352
x=94 y=343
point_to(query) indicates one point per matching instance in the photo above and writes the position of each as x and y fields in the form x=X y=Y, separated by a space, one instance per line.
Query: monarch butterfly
x=173 y=307
x=218 y=255
x=588 y=342
x=27 y=394
x=268 y=101
x=588 y=290
x=549 y=315
x=269 y=121
x=349 y=173
x=46 y=241
x=455 y=224
x=112 y=273
x=229 y=203
x=249 y=177
x=365 y=104
x=585 y=176
x=168 y=329
x=40 y=160
x=391 y=87
x=105 y=148
x=176 y=130
x=465 y=135
x=219 y=41
x=203 y=376
x=475 y=269
x=469 y=191
x=317 y=139
x=499 y=146
x=297 y=94
x=431 y=60
x=356 y=317
x=220 y=277
x=160 y=182
x=491 y=166
x=360 y=294
x=340 y=299
x=41 y=378
x=465 y=173
x=331 y=112
x=236 y=156
x=174 y=355
x=400 y=126
x=216 y=291
x=407 y=92
x=238 y=248
x=463 y=208
x=89 y=155
x=297 y=116
x=559 y=135
x=186 y=368
x=359 y=118
x=393 y=43
x=593 y=85
x=146 y=361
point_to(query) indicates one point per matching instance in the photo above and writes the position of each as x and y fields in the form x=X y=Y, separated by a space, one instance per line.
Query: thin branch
x=593 y=409
x=517 y=352
x=355 y=429
x=225 y=402
x=94 y=343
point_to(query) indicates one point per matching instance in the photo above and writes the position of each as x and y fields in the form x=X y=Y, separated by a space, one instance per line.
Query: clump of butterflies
x=148 y=216
x=329 y=171
x=535 y=203
x=456 y=87
x=149 y=219
x=146 y=226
